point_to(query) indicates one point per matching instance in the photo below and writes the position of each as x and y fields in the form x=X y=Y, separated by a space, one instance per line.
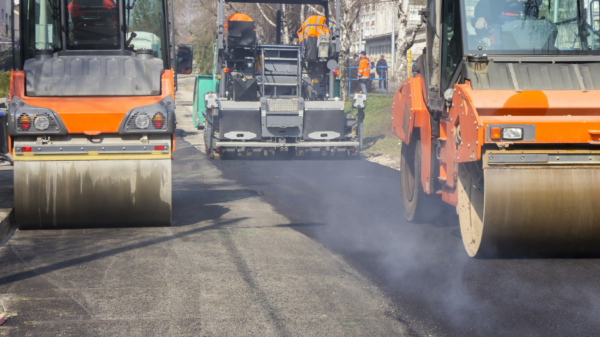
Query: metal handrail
x=262 y=67
x=387 y=80
x=262 y=72
x=214 y=61
x=299 y=74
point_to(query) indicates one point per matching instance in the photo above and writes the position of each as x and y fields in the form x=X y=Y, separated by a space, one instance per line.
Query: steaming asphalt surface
x=354 y=209
x=229 y=266
x=284 y=247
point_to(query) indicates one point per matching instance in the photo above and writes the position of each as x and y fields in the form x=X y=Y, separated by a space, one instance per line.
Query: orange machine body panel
x=407 y=108
x=558 y=117
x=409 y=111
x=91 y=115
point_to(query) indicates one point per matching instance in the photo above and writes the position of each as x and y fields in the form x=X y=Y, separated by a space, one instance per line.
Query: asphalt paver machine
x=501 y=119
x=91 y=114
x=278 y=97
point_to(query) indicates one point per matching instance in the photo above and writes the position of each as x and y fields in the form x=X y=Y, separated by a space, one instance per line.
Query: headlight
x=41 y=122
x=512 y=133
x=32 y=120
x=142 y=121
x=154 y=118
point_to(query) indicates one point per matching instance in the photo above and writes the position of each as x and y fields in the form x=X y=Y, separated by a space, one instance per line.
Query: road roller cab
x=500 y=118
x=91 y=115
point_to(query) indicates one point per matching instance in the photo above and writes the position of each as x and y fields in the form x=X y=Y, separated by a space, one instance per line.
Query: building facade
x=376 y=30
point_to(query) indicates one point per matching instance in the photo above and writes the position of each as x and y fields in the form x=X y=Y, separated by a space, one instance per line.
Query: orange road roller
x=91 y=114
x=501 y=119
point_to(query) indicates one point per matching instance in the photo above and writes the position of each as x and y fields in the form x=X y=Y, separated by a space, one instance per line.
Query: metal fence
x=380 y=79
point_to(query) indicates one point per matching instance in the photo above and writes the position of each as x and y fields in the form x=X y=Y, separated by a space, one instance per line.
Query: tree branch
x=232 y=7
x=320 y=13
x=265 y=15
x=411 y=40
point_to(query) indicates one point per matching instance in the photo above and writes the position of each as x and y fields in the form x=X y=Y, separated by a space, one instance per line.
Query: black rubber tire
x=417 y=205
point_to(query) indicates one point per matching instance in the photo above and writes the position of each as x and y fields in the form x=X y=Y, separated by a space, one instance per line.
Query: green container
x=336 y=88
x=203 y=84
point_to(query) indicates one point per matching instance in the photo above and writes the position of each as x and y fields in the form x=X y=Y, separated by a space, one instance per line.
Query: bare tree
x=265 y=15
x=285 y=24
x=404 y=41
x=349 y=14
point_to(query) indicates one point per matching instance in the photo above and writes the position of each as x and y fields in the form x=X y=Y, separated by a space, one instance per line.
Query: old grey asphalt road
x=229 y=266
x=354 y=209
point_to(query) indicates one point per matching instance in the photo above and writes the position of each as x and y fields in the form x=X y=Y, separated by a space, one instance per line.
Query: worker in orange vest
x=308 y=35
x=363 y=71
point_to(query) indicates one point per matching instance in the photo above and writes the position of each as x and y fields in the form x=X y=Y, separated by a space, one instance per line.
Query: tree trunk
x=285 y=25
x=349 y=12
x=400 y=73
x=345 y=44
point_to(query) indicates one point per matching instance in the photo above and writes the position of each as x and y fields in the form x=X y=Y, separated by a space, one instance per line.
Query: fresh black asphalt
x=353 y=207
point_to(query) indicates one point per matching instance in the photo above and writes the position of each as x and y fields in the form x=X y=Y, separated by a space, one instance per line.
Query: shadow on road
x=100 y=255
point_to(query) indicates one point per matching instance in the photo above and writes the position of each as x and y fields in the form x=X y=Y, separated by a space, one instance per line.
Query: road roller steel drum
x=91 y=114
x=76 y=183
x=506 y=128
x=530 y=210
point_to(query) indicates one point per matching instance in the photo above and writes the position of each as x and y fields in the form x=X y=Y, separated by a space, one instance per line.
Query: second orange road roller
x=501 y=119
x=91 y=114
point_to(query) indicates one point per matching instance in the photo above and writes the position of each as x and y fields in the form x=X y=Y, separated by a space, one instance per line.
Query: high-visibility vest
x=314 y=25
x=363 y=67
x=237 y=17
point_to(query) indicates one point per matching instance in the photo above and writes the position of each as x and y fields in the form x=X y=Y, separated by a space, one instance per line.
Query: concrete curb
x=6 y=224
